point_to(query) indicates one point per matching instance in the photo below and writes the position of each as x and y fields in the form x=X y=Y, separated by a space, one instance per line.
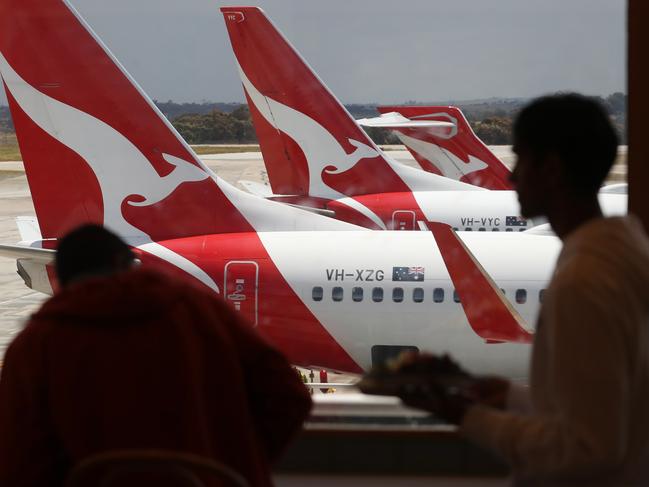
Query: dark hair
x=576 y=129
x=91 y=250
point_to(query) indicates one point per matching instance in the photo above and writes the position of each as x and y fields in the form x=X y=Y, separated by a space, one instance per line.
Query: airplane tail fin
x=455 y=151
x=311 y=144
x=95 y=147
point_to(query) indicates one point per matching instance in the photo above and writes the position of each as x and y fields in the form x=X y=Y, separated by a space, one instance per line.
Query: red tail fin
x=454 y=152
x=95 y=148
x=311 y=144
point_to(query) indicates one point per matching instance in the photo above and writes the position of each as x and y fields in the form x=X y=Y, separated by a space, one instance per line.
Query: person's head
x=565 y=146
x=89 y=251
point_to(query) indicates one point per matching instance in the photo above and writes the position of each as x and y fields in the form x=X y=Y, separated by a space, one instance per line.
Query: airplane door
x=241 y=282
x=403 y=220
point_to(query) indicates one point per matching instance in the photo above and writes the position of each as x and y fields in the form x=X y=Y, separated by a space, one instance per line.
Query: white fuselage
x=338 y=262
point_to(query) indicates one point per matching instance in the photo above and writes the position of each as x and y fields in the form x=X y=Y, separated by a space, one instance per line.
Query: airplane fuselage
x=463 y=210
x=342 y=299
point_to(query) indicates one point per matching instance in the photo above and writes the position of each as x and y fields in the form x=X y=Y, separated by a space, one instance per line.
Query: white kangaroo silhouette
x=322 y=151
x=120 y=168
x=448 y=163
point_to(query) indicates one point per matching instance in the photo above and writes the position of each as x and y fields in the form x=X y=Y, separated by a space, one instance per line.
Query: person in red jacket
x=123 y=357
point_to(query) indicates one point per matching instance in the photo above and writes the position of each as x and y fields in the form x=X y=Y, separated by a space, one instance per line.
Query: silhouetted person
x=585 y=419
x=123 y=357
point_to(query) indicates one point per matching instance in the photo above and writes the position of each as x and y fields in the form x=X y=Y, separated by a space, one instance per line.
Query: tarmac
x=17 y=302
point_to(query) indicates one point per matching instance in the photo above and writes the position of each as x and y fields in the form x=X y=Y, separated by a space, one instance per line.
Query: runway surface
x=17 y=302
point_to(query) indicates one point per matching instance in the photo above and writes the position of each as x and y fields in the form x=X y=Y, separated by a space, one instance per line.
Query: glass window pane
x=377 y=294
x=316 y=293
x=521 y=296
x=357 y=294
x=417 y=295
x=337 y=294
x=397 y=294
x=438 y=295
x=456 y=296
x=541 y=295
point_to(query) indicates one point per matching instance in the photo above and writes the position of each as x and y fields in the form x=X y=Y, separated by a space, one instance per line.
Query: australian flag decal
x=407 y=273
x=515 y=221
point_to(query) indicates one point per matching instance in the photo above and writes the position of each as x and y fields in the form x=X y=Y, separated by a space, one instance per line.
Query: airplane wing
x=487 y=309
x=44 y=256
x=394 y=120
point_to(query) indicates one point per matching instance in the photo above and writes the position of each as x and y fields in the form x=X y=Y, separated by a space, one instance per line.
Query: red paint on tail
x=50 y=48
x=279 y=73
x=462 y=142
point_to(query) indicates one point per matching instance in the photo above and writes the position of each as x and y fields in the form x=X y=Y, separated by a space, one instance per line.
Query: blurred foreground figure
x=127 y=358
x=585 y=419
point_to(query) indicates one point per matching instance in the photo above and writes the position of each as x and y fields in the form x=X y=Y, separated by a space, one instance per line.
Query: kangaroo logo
x=322 y=151
x=123 y=172
x=448 y=163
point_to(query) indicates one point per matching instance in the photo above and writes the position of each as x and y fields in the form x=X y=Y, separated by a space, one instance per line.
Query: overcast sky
x=378 y=50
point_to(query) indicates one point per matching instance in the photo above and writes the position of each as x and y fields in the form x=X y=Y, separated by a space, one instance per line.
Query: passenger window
x=455 y=228
x=357 y=294
x=316 y=293
x=481 y=229
x=503 y=291
x=521 y=296
x=468 y=229
x=522 y=229
x=377 y=294
x=417 y=295
x=508 y=230
x=337 y=293
x=456 y=296
x=541 y=295
x=438 y=295
x=397 y=294
x=495 y=229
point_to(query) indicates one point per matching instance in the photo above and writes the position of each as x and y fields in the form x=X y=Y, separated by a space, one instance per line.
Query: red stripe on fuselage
x=283 y=318
x=383 y=205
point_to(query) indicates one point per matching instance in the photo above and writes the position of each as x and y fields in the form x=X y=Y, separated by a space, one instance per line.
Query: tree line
x=491 y=120
x=230 y=123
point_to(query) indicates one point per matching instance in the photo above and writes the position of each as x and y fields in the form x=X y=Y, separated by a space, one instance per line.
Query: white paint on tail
x=320 y=148
x=122 y=171
x=322 y=151
x=448 y=163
